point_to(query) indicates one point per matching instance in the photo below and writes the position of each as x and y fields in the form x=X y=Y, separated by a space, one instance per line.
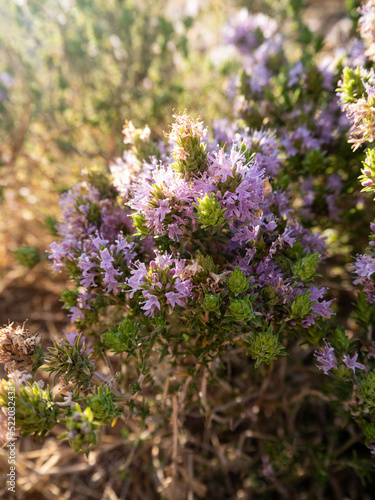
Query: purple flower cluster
x=165 y=202
x=329 y=361
x=94 y=242
x=305 y=118
x=264 y=144
x=163 y=283
x=86 y=216
x=326 y=357
x=248 y=31
x=262 y=50
x=364 y=267
x=198 y=215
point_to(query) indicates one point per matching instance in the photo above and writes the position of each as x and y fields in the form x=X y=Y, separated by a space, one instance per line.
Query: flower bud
x=241 y=310
x=305 y=268
x=210 y=213
x=237 y=282
x=211 y=302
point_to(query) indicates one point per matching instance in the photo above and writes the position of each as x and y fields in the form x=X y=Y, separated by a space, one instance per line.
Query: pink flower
x=174 y=298
x=150 y=304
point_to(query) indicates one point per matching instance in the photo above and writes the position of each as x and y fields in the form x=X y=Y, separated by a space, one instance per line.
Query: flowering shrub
x=208 y=248
x=197 y=283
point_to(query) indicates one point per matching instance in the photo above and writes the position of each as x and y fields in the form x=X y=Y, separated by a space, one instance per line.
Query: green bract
x=36 y=409
x=82 y=429
x=264 y=347
x=241 y=309
x=238 y=283
x=210 y=213
x=305 y=267
x=70 y=362
x=211 y=303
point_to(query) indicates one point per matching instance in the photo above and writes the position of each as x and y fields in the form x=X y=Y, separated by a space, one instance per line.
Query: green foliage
x=237 y=282
x=209 y=211
x=103 y=405
x=69 y=297
x=242 y=309
x=82 y=429
x=364 y=314
x=367 y=391
x=264 y=347
x=314 y=162
x=211 y=303
x=369 y=431
x=352 y=87
x=28 y=256
x=341 y=340
x=301 y=306
x=305 y=267
x=193 y=157
x=367 y=178
x=36 y=409
x=70 y=362
x=37 y=358
x=51 y=224
x=124 y=338
x=140 y=224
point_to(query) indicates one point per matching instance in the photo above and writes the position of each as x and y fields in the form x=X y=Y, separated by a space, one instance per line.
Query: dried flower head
x=17 y=345
x=185 y=126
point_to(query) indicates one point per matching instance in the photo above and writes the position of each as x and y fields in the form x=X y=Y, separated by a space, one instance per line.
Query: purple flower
x=352 y=363
x=150 y=304
x=321 y=308
x=110 y=272
x=327 y=359
x=288 y=237
x=137 y=278
x=223 y=166
x=71 y=337
x=245 y=29
x=365 y=266
x=163 y=209
x=174 y=298
x=88 y=276
x=265 y=146
x=174 y=196
x=260 y=76
x=126 y=248
x=223 y=130
x=309 y=321
x=75 y=314
x=184 y=288
x=295 y=74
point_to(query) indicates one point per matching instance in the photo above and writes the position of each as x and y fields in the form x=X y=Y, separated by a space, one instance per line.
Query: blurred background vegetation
x=71 y=71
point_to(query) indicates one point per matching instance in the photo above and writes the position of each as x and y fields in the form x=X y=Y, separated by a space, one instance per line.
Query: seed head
x=17 y=345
